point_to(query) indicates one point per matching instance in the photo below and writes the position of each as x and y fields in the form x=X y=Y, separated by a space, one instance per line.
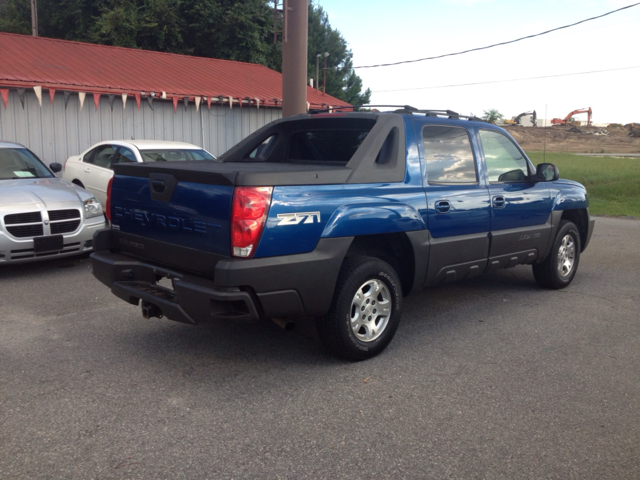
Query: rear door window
x=125 y=155
x=448 y=155
x=100 y=156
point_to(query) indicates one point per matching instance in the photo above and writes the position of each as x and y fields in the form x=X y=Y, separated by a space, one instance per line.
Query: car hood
x=573 y=183
x=39 y=191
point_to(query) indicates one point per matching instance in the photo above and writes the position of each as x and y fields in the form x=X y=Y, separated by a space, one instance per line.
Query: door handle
x=87 y=170
x=443 y=206
x=498 y=201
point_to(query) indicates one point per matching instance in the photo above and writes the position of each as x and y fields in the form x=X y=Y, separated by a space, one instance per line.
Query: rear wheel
x=78 y=182
x=365 y=312
x=560 y=266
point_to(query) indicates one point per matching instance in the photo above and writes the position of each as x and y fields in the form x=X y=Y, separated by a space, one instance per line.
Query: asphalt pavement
x=490 y=378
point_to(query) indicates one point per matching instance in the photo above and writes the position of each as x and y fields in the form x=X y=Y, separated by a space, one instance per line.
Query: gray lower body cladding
x=241 y=290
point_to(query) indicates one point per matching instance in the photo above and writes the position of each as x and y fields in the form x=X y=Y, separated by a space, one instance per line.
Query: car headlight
x=92 y=208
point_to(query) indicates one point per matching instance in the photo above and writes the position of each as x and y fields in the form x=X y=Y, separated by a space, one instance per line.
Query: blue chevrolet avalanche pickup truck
x=337 y=216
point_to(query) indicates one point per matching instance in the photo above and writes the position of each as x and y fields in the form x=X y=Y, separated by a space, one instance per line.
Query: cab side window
x=448 y=155
x=100 y=156
x=504 y=161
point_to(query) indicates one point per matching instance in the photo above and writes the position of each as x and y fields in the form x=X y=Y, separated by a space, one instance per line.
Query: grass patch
x=613 y=184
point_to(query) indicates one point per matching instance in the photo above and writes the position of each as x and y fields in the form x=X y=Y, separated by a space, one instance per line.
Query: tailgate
x=167 y=208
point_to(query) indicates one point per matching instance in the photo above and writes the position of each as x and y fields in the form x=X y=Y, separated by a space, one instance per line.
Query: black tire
x=344 y=331
x=78 y=182
x=560 y=266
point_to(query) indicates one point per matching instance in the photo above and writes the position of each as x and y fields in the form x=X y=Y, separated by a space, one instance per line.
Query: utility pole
x=34 y=18
x=294 y=57
x=324 y=73
x=317 y=68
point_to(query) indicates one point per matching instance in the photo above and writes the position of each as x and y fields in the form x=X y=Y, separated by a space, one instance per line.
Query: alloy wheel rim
x=371 y=310
x=566 y=256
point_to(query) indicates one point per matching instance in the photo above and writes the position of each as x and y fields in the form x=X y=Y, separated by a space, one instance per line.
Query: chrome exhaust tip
x=283 y=323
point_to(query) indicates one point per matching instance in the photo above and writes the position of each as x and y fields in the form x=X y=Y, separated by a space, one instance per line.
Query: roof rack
x=450 y=114
x=353 y=107
x=407 y=109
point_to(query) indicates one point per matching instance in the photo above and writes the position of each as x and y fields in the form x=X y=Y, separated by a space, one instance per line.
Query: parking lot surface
x=489 y=378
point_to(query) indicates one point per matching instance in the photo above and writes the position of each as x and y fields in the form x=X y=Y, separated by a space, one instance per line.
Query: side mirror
x=547 y=172
x=55 y=167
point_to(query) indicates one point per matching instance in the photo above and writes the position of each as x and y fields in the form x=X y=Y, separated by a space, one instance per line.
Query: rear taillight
x=248 y=215
x=107 y=206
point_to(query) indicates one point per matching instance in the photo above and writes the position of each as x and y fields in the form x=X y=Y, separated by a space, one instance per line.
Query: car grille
x=64 y=221
x=30 y=217
x=63 y=214
x=24 y=231
x=64 y=227
x=27 y=225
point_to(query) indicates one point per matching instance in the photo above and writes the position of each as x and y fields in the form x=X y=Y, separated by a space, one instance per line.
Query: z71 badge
x=296 y=218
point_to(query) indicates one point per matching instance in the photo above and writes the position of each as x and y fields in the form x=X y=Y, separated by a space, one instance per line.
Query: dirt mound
x=615 y=138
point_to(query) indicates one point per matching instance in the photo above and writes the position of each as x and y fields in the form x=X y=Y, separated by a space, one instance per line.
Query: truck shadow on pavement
x=448 y=307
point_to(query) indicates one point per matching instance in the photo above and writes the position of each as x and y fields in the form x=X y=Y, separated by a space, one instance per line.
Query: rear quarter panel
x=330 y=211
x=300 y=216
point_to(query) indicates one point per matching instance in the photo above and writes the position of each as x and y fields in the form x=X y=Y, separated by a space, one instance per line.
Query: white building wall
x=54 y=132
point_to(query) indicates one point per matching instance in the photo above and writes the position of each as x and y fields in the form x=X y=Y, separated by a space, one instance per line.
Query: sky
x=386 y=31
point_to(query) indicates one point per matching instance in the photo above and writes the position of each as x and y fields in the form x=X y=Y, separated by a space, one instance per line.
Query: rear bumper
x=241 y=290
x=190 y=300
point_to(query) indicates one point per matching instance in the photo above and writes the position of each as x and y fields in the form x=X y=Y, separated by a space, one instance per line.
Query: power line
x=498 y=44
x=502 y=81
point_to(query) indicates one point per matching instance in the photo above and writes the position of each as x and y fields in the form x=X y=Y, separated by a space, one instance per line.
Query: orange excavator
x=569 y=118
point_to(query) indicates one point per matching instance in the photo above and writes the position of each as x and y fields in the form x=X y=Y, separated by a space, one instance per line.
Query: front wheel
x=365 y=312
x=560 y=266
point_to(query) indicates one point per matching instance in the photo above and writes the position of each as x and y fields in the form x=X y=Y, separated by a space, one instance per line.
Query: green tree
x=492 y=116
x=160 y=27
x=15 y=16
x=240 y=30
x=230 y=29
x=117 y=24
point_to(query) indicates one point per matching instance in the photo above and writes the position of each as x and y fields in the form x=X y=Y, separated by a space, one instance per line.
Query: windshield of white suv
x=174 y=155
x=16 y=163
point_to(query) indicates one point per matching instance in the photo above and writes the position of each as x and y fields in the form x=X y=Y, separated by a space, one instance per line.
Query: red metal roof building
x=27 y=61
x=58 y=126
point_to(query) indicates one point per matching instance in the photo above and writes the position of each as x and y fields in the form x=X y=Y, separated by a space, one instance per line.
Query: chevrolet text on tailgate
x=337 y=217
